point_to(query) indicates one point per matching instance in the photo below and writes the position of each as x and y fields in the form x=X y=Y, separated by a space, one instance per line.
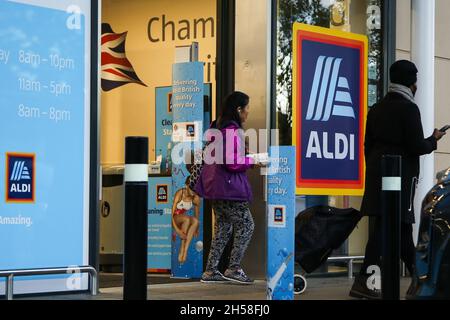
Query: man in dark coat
x=393 y=127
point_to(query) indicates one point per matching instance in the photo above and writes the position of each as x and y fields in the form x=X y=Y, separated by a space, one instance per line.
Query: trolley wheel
x=299 y=284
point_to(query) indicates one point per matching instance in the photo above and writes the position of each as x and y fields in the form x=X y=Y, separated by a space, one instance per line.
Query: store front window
x=361 y=17
x=141 y=43
x=149 y=33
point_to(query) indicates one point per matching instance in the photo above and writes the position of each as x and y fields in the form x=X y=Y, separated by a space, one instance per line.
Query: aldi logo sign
x=20 y=177
x=329 y=110
x=329 y=90
x=162 y=194
x=277 y=216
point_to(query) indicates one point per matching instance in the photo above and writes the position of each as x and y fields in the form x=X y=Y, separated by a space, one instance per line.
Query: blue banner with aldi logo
x=187 y=137
x=281 y=223
x=330 y=105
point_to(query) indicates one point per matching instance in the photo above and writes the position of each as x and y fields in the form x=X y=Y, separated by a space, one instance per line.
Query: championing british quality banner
x=281 y=223
x=329 y=110
x=187 y=207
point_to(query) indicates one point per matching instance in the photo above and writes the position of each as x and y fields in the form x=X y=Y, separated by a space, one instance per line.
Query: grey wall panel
x=442 y=161
x=404 y=25
x=442 y=28
x=442 y=101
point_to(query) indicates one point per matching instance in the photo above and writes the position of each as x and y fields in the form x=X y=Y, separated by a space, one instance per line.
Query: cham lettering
x=162 y=29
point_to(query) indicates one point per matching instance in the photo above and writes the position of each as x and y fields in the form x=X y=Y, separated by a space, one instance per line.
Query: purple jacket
x=227 y=181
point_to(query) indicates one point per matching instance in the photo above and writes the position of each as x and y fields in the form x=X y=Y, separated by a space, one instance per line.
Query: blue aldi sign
x=20 y=180
x=330 y=104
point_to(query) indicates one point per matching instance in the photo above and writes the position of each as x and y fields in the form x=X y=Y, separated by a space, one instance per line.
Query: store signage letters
x=161 y=29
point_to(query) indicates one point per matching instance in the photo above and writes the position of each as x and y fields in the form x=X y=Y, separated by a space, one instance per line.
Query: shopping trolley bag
x=319 y=230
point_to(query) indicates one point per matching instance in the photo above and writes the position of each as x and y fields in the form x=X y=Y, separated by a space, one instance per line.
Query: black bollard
x=391 y=225
x=136 y=227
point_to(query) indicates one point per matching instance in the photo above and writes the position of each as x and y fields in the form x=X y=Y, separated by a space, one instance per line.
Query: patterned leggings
x=230 y=215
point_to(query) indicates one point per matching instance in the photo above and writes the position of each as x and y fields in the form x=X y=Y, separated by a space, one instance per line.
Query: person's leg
x=192 y=228
x=373 y=248
x=360 y=288
x=408 y=250
x=243 y=226
x=222 y=234
x=182 y=222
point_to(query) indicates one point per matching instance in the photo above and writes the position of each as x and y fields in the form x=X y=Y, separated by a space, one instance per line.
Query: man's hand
x=438 y=134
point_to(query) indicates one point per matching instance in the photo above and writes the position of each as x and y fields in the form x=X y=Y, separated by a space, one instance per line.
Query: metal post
x=350 y=268
x=9 y=289
x=391 y=223
x=388 y=22
x=225 y=75
x=423 y=55
x=136 y=227
x=94 y=283
x=225 y=67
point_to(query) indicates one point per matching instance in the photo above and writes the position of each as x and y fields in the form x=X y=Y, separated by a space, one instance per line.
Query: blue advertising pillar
x=160 y=224
x=187 y=208
x=281 y=223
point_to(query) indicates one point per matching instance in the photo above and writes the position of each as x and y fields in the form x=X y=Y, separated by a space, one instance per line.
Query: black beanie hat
x=403 y=72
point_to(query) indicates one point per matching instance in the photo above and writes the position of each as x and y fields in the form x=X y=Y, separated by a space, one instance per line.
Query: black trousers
x=373 y=248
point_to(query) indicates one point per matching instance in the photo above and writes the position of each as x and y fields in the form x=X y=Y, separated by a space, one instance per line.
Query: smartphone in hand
x=444 y=128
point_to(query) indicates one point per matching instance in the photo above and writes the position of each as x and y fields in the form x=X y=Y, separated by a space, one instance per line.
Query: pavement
x=327 y=288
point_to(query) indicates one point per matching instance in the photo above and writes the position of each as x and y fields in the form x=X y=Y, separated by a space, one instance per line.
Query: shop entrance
x=255 y=61
x=141 y=41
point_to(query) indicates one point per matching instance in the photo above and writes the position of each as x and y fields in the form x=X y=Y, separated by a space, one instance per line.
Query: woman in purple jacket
x=226 y=184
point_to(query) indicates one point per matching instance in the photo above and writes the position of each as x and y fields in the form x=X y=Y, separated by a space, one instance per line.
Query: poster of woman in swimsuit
x=185 y=218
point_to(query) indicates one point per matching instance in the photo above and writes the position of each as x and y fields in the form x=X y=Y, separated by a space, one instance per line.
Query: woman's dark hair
x=230 y=105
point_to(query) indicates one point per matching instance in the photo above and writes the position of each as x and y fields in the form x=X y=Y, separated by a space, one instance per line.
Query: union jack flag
x=116 y=69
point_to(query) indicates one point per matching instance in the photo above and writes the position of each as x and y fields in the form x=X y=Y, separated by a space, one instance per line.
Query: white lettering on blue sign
x=4 y=56
x=344 y=146
x=22 y=188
